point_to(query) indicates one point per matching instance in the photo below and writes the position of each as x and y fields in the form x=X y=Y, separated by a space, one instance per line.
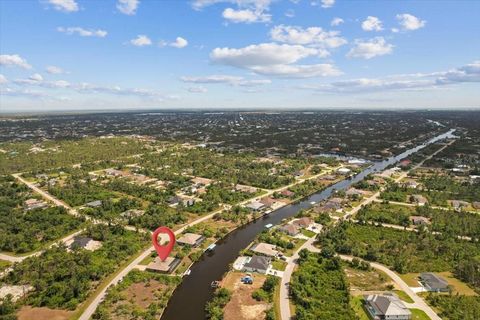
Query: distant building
x=94 y=204
x=191 y=239
x=386 y=307
x=476 y=204
x=459 y=204
x=290 y=229
x=419 y=220
x=258 y=264
x=86 y=243
x=432 y=282
x=287 y=193
x=419 y=199
x=344 y=171
x=32 y=204
x=132 y=213
x=265 y=249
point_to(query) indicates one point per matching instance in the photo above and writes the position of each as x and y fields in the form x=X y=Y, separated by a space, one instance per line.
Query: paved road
x=285 y=311
x=90 y=310
x=418 y=302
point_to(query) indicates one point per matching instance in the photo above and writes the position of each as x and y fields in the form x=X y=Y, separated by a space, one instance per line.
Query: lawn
x=4 y=265
x=279 y=265
x=308 y=233
x=357 y=305
x=403 y=296
x=298 y=244
x=418 y=314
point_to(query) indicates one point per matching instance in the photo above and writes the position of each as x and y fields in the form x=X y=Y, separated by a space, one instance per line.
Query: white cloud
x=273 y=59
x=336 y=22
x=200 y=4
x=64 y=5
x=128 y=7
x=323 y=3
x=467 y=73
x=179 y=43
x=298 y=71
x=36 y=77
x=3 y=79
x=199 y=89
x=409 y=22
x=83 y=32
x=261 y=54
x=247 y=11
x=54 y=70
x=226 y=79
x=14 y=60
x=309 y=36
x=290 y=13
x=418 y=81
x=372 y=24
x=368 y=49
x=245 y=16
x=141 y=40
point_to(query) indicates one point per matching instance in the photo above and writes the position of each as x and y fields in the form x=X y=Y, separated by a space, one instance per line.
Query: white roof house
x=386 y=306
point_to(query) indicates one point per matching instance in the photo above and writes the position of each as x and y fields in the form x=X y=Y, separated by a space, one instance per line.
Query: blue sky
x=127 y=54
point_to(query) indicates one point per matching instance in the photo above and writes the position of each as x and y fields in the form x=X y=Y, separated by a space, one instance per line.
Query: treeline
x=450 y=223
x=77 y=193
x=319 y=289
x=63 y=279
x=401 y=250
x=456 y=307
x=65 y=153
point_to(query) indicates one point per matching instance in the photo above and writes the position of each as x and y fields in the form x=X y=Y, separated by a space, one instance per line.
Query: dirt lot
x=29 y=313
x=143 y=295
x=242 y=306
x=372 y=280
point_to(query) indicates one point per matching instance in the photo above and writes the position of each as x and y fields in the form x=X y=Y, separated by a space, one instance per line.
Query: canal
x=189 y=299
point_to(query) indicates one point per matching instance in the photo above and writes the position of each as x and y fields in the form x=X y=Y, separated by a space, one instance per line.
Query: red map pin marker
x=163 y=251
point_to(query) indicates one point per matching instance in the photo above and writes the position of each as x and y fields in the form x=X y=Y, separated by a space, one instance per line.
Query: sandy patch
x=29 y=313
x=242 y=306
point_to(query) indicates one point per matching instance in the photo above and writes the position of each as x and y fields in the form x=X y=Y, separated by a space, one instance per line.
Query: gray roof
x=96 y=203
x=387 y=305
x=80 y=242
x=433 y=281
x=258 y=262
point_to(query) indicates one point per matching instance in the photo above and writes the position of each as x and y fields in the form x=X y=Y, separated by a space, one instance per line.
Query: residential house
x=132 y=213
x=191 y=239
x=32 y=204
x=432 y=282
x=287 y=193
x=459 y=204
x=386 y=307
x=304 y=222
x=419 y=220
x=419 y=199
x=258 y=264
x=268 y=202
x=476 y=204
x=167 y=266
x=86 y=243
x=265 y=249
x=255 y=206
x=290 y=229
x=344 y=171
x=94 y=204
